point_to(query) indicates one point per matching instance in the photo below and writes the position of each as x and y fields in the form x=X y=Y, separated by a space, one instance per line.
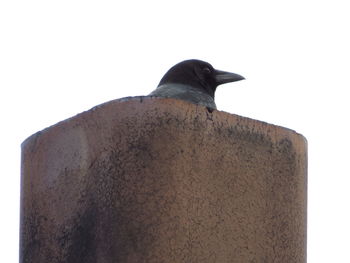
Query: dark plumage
x=194 y=81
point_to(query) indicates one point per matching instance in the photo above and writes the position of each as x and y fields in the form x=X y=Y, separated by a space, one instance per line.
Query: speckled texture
x=162 y=180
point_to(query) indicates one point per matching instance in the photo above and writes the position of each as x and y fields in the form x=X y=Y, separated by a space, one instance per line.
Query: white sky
x=59 y=58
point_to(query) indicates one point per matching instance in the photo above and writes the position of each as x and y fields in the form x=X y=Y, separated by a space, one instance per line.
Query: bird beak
x=222 y=77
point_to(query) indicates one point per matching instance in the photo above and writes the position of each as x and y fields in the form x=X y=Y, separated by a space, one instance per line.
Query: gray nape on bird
x=194 y=81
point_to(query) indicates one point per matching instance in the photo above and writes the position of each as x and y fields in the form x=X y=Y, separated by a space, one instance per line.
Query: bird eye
x=207 y=70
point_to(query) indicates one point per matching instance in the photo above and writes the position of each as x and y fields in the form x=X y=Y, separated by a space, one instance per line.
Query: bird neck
x=200 y=87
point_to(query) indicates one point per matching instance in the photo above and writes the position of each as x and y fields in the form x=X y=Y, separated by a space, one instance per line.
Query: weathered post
x=162 y=180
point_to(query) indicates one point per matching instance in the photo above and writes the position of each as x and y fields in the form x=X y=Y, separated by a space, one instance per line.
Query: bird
x=194 y=81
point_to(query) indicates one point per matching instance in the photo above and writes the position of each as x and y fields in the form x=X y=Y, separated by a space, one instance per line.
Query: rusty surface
x=162 y=180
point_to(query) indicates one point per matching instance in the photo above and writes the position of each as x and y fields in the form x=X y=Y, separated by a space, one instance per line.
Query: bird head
x=198 y=74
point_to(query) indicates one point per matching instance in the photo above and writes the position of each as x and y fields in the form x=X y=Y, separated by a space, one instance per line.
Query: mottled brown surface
x=162 y=180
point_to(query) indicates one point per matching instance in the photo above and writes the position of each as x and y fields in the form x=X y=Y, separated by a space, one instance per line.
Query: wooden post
x=161 y=180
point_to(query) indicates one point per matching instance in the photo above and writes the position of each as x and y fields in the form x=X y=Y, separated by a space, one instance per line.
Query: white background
x=59 y=58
